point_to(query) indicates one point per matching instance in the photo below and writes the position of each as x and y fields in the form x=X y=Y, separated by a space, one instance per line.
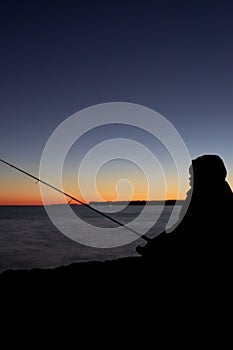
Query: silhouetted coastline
x=141 y=202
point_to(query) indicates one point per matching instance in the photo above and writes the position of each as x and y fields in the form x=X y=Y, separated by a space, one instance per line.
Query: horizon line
x=96 y=202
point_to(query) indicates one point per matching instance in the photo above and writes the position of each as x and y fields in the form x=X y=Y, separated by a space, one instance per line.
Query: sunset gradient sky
x=174 y=56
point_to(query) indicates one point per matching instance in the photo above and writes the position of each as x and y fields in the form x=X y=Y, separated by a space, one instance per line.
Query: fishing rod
x=147 y=239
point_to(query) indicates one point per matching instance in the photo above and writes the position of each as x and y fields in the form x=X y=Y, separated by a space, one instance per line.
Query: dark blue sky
x=174 y=56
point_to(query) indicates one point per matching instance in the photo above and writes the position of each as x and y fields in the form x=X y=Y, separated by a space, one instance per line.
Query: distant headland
x=171 y=202
x=140 y=202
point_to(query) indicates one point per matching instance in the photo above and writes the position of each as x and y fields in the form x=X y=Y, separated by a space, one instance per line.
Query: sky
x=57 y=58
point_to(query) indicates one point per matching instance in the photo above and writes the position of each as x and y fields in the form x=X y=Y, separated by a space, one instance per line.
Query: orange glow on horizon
x=35 y=199
x=19 y=190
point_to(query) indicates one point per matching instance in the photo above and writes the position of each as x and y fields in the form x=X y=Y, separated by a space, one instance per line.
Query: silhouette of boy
x=204 y=232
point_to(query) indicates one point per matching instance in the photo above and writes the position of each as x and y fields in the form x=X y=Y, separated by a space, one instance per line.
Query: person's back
x=204 y=232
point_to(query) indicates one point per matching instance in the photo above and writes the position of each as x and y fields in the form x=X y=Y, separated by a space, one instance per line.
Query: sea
x=29 y=239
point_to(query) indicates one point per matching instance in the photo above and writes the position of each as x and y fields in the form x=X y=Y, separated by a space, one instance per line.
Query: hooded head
x=209 y=166
x=207 y=170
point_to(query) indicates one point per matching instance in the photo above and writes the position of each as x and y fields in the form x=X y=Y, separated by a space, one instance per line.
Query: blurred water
x=29 y=239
